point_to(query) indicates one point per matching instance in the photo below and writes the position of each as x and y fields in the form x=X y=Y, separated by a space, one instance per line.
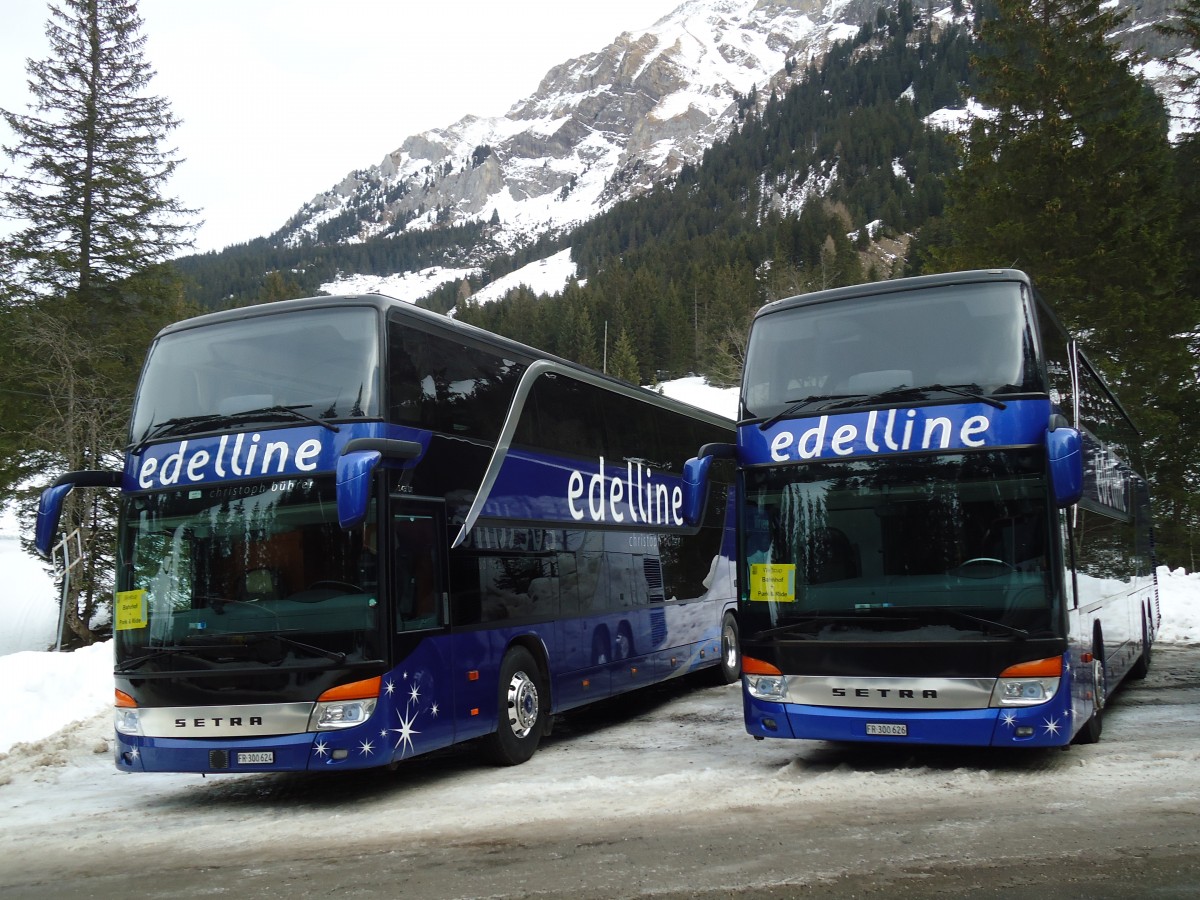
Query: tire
x=522 y=710
x=1094 y=726
x=1141 y=668
x=731 y=654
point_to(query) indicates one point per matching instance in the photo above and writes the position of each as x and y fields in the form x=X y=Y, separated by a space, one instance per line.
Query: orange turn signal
x=752 y=666
x=124 y=700
x=1037 y=668
x=355 y=690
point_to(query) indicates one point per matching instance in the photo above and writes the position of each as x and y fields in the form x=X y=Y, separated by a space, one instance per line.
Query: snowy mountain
x=599 y=129
x=607 y=126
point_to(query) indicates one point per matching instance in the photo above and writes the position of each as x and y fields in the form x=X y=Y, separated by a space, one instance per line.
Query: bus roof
x=437 y=322
x=896 y=285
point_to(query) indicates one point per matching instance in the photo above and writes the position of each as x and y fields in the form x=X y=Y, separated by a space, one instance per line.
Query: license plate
x=256 y=758
x=892 y=730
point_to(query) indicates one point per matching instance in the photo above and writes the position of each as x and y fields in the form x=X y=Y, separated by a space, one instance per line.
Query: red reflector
x=475 y=711
x=473 y=675
x=587 y=683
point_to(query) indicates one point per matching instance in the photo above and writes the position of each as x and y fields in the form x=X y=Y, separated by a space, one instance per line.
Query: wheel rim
x=729 y=647
x=1098 y=689
x=522 y=704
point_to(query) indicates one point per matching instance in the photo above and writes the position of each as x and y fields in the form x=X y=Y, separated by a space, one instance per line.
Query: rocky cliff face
x=607 y=125
x=599 y=128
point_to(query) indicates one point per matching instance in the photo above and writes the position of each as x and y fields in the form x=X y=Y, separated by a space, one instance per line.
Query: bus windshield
x=252 y=574
x=322 y=363
x=973 y=336
x=954 y=542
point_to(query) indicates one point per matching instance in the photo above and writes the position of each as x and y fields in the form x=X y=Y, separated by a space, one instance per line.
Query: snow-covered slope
x=600 y=128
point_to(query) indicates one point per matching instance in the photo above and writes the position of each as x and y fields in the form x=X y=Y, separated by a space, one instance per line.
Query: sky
x=280 y=99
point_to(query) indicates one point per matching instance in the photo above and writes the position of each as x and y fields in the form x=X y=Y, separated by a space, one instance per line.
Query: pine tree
x=1184 y=25
x=623 y=361
x=1071 y=179
x=83 y=287
x=89 y=192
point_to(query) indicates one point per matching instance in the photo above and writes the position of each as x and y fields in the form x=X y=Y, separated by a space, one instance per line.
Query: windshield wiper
x=797 y=622
x=335 y=655
x=797 y=405
x=190 y=424
x=137 y=662
x=967 y=617
x=920 y=392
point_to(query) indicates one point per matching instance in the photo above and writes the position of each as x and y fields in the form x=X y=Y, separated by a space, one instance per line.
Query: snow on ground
x=544 y=276
x=407 y=286
x=28 y=600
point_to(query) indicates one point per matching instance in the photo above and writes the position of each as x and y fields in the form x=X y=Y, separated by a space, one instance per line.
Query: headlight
x=128 y=721
x=1024 y=691
x=767 y=687
x=340 y=714
x=128 y=717
x=1028 y=683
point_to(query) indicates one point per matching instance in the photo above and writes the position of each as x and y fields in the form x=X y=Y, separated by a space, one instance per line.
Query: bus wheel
x=731 y=654
x=521 y=719
x=1090 y=732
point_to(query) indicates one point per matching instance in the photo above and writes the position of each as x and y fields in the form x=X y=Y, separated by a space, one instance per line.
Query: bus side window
x=414 y=572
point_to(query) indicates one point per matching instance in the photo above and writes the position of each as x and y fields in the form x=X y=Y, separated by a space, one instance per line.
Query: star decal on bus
x=389 y=688
x=366 y=748
x=406 y=731
x=320 y=747
x=1009 y=719
x=1052 y=726
x=414 y=694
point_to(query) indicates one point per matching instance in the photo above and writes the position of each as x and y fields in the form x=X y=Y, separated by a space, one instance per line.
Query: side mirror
x=354 y=485
x=354 y=467
x=51 y=503
x=695 y=489
x=48 y=514
x=695 y=480
x=1064 y=458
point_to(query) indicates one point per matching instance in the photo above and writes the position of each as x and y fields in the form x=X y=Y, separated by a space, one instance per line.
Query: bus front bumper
x=279 y=753
x=1046 y=725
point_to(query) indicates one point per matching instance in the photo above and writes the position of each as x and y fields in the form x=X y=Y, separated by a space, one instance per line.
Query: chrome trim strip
x=254 y=720
x=890 y=693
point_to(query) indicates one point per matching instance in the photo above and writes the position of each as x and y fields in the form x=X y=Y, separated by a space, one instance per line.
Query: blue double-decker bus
x=353 y=531
x=944 y=535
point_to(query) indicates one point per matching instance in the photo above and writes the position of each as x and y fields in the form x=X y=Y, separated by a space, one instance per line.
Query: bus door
x=421 y=686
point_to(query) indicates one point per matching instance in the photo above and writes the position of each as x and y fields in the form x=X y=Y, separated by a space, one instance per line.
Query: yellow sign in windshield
x=129 y=610
x=773 y=582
